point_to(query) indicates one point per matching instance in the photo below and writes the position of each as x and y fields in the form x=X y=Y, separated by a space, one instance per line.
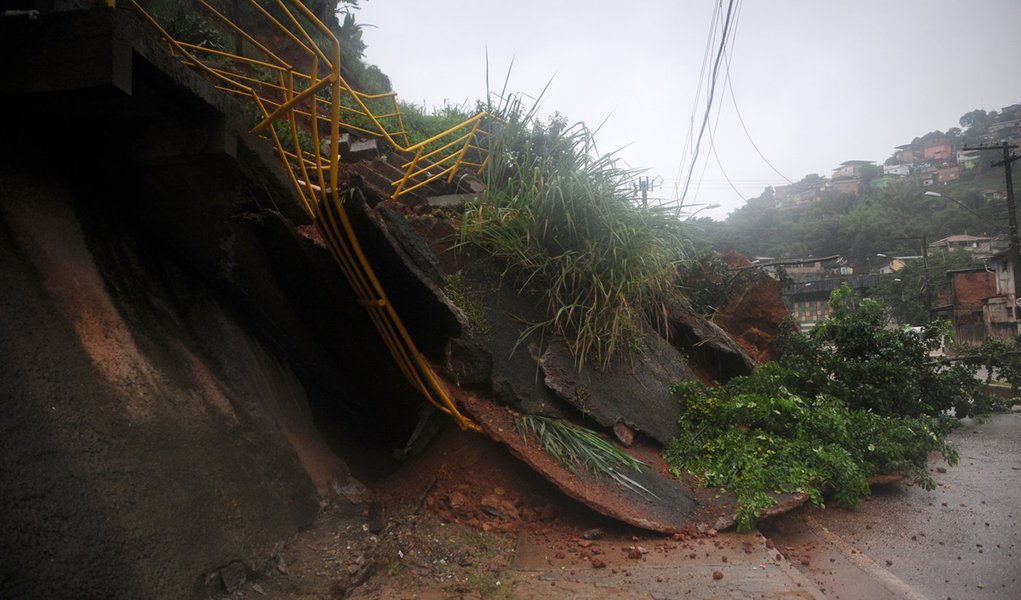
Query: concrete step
x=381 y=184
x=451 y=201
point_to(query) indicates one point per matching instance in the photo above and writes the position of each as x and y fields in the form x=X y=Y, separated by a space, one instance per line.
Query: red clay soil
x=465 y=477
x=754 y=314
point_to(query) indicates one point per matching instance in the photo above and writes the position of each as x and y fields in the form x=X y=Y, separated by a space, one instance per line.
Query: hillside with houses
x=935 y=159
x=926 y=231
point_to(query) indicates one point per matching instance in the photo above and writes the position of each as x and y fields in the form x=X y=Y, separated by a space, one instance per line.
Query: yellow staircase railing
x=301 y=101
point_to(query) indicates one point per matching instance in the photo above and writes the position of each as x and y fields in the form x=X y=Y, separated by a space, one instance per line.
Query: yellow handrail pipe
x=314 y=173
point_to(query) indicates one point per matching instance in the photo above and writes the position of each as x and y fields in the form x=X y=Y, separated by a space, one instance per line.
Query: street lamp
x=706 y=207
x=677 y=209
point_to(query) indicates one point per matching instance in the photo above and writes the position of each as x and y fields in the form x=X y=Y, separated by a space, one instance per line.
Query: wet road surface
x=960 y=541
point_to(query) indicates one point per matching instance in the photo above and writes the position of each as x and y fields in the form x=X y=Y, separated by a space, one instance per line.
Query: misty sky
x=816 y=82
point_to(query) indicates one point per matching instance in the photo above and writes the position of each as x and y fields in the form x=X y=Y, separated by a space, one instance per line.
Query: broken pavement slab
x=668 y=511
x=709 y=349
x=673 y=505
x=636 y=395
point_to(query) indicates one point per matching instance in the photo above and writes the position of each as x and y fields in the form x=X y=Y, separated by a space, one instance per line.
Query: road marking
x=885 y=578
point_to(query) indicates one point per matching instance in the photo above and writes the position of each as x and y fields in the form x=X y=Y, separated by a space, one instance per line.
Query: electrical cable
x=733 y=99
x=712 y=146
x=719 y=114
x=707 y=53
x=709 y=101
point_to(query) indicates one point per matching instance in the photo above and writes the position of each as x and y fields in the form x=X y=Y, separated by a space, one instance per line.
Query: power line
x=712 y=146
x=733 y=99
x=719 y=114
x=705 y=167
x=698 y=92
x=712 y=93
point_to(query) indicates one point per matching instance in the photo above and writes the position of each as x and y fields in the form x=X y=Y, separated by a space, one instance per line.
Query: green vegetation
x=855 y=358
x=755 y=437
x=563 y=220
x=1001 y=359
x=709 y=286
x=858 y=228
x=578 y=448
x=849 y=400
x=461 y=296
x=903 y=292
x=422 y=123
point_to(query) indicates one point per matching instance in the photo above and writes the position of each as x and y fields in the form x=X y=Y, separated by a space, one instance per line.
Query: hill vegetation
x=860 y=227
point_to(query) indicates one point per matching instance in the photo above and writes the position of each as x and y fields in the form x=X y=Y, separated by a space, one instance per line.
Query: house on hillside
x=970 y=290
x=908 y=154
x=800 y=194
x=803 y=271
x=1007 y=127
x=1007 y=130
x=809 y=301
x=896 y=263
x=847 y=178
x=969 y=159
x=1002 y=311
x=851 y=169
x=980 y=246
x=937 y=151
x=896 y=170
x=846 y=186
x=949 y=173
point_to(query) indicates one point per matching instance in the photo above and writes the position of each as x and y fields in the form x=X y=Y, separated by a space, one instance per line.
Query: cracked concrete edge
x=884 y=577
x=801 y=581
x=764 y=574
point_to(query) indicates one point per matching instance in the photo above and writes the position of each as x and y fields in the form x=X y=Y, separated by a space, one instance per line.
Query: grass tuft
x=578 y=448
x=565 y=221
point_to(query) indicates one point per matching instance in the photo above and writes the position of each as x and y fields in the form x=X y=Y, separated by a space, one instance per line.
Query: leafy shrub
x=855 y=358
x=1001 y=359
x=849 y=400
x=755 y=437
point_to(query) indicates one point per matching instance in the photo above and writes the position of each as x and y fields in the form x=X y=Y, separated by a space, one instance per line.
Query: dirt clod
x=593 y=534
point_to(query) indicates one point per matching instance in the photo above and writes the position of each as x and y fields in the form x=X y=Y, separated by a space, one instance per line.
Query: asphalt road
x=962 y=540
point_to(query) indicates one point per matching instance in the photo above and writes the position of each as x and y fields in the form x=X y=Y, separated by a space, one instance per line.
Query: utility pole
x=925 y=272
x=1015 y=246
x=644 y=185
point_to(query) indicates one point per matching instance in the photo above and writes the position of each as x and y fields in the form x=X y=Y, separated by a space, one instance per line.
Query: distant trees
x=977 y=118
x=976 y=124
x=859 y=227
x=932 y=136
x=904 y=292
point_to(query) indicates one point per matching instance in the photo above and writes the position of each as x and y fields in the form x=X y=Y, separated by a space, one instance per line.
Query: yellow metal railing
x=298 y=95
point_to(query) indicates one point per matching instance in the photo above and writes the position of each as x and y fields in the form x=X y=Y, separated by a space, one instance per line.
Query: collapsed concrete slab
x=636 y=394
x=666 y=506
